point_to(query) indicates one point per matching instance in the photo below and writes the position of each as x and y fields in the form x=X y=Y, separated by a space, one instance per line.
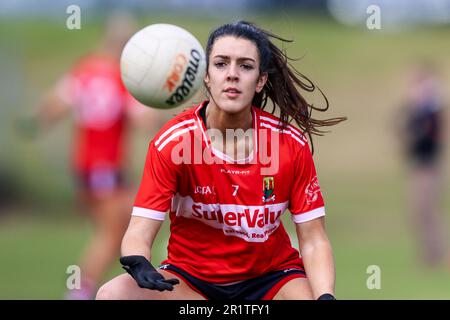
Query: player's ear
x=206 y=82
x=261 y=82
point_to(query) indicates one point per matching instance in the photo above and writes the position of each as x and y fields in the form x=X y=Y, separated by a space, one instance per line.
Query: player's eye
x=247 y=66
x=219 y=64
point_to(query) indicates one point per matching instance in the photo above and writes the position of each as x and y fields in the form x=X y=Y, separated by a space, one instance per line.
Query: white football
x=163 y=65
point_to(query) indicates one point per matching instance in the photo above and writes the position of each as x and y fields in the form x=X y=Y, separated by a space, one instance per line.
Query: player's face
x=233 y=75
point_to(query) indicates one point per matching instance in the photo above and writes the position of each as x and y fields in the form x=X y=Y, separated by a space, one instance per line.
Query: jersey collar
x=220 y=154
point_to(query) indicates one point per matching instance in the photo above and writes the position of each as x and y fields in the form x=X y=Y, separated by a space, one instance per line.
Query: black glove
x=326 y=296
x=145 y=274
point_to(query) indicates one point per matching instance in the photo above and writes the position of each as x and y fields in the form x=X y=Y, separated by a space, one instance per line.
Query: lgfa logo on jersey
x=268 y=188
x=312 y=190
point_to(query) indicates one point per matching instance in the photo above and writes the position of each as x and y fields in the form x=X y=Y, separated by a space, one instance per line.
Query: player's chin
x=234 y=106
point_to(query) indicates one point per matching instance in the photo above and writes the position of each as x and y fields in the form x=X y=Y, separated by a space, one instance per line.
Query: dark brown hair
x=284 y=82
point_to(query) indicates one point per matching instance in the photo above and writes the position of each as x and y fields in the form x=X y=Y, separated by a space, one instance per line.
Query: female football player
x=422 y=136
x=226 y=171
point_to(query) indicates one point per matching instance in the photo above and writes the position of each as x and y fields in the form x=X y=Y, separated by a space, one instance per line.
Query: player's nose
x=233 y=74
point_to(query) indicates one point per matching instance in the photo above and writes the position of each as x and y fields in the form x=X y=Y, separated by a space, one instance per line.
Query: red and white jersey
x=95 y=90
x=224 y=214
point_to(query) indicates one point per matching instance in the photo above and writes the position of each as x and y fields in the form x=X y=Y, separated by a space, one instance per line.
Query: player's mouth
x=232 y=92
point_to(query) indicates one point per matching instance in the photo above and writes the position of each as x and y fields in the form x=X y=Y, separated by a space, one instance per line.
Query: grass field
x=359 y=165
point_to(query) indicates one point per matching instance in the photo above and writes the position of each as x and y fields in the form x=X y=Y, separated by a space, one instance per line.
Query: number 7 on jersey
x=236 y=187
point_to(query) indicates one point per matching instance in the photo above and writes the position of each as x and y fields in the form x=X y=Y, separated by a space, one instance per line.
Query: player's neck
x=240 y=145
x=222 y=120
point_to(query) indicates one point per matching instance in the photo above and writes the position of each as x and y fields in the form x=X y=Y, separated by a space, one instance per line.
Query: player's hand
x=145 y=274
x=326 y=296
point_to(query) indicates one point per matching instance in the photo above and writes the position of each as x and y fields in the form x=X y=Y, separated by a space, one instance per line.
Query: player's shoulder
x=287 y=131
x=180 y=125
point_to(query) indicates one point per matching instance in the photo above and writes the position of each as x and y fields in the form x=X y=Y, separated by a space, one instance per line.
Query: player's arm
x=136 y=254
x=139 y=237
x=158 y=185
x=51 y=108
x=317 y=255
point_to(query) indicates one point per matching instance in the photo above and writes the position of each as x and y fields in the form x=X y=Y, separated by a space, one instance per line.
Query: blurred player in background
x=423 y=138
x=93 y=91
x=227 y=239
